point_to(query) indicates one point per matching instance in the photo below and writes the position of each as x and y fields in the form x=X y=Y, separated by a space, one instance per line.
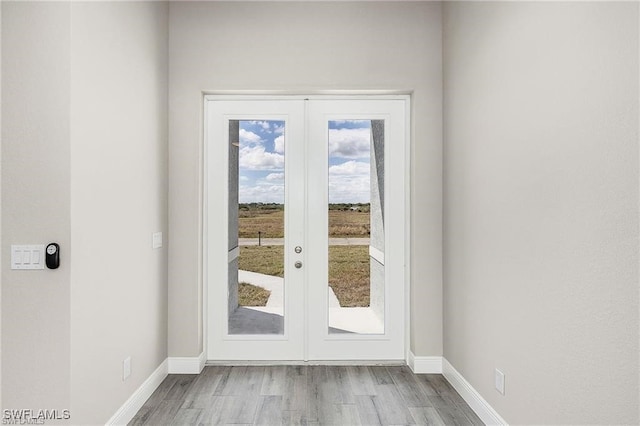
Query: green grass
x=268 y=260
x=251 y=295
x=270 y=223
x=348 y=269
x=349 y=274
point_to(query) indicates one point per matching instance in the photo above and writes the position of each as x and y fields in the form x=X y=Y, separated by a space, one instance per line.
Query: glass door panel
x=356 y=226
x=256 y=226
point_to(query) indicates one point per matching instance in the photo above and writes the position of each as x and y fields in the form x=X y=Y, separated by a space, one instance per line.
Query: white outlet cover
x=126 y=368
x=500 y=381
x=157 y=240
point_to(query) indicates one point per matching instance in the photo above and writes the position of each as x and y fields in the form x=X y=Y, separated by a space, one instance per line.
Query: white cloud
x=275 y=176
x=350 y=121
x=349 y=189
x=349 y=143
x=278 y=144
x=351 y=168
x=262 y=193
x=349 y=182
x=263 y=124
x=243 y=178
x=256 y=158
x=247 y=137
x=278 y=129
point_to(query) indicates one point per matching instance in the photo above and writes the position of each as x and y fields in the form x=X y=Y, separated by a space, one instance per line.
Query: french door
x=305 y=228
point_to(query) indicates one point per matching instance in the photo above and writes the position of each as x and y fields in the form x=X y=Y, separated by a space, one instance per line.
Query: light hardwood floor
x=306 y=395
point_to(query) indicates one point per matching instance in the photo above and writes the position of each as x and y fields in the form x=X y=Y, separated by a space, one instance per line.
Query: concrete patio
x=269 y=319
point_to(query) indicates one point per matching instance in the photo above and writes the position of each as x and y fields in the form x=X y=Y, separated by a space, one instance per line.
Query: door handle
x=298 y=264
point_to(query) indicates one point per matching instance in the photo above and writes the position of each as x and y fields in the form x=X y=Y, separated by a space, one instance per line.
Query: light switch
x=157 y=240
x=16 y=257
x=27 y=256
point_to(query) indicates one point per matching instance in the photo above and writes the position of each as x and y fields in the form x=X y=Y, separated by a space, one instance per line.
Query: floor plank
x=390 y=407
x=295 y=391
x=362 y=381
x=367 y=410
x=453 y=416
x=305 y=395
x=408 y=387
x=274 y=382
x=269 y=410
x=426 y=416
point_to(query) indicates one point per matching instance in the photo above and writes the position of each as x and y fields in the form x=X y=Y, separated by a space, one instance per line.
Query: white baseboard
x=140 y=396
x=477 y=403
x=187 y=365
x=424 y=364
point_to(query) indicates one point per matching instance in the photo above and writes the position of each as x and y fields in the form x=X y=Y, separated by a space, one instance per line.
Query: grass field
x=268 y=260
x=270 y=223
x=348 y=269
x=348 y=265
x=251 y=295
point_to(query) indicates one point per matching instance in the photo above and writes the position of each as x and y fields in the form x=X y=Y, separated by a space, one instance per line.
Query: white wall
x=84 y=148
x=297 y=46
x=118 y=199
x=1 y=406
x=541 y=207
x=35 y=202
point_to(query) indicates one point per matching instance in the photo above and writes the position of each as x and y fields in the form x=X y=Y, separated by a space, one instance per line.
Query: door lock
x=298 y=264
x=298 y=249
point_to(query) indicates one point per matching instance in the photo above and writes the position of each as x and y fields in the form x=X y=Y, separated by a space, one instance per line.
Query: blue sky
x=262 y=157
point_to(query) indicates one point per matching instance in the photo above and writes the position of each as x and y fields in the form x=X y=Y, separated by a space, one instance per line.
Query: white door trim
x=207 y=96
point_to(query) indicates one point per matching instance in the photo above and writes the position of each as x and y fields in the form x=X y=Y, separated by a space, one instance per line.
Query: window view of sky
x=262 y=158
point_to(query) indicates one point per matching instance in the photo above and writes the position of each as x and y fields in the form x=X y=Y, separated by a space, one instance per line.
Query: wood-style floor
x=306 y=395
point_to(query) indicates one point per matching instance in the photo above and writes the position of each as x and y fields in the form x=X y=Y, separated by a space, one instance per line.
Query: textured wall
x=118 y=199
x=304 y=46
x=541 y=207
x=35 y=202
x=84 y=138
x=234 y=182
x=376 y=269
x=233 y=286
x=377 y=184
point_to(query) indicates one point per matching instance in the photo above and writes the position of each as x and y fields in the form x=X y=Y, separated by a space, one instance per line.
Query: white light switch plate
x=157 y=240
x=27 y=256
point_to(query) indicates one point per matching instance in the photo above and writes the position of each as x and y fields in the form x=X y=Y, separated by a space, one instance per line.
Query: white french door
x=305 y=224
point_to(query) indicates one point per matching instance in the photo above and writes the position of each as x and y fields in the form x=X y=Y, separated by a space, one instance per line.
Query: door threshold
x=241 y=363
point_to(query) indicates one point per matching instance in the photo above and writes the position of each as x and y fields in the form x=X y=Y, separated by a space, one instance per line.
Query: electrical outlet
x=500 y=381
x=126 y=368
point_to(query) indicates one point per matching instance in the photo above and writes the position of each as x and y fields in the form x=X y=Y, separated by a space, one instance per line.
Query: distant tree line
x=360 y=207
x=260 y=206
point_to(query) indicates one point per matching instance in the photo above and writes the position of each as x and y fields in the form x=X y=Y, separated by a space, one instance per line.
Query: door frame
x=303 y=95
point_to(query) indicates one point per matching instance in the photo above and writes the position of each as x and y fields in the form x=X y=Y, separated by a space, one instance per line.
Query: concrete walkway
x=276 y=286
x=257 y=320
x=280 y=241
